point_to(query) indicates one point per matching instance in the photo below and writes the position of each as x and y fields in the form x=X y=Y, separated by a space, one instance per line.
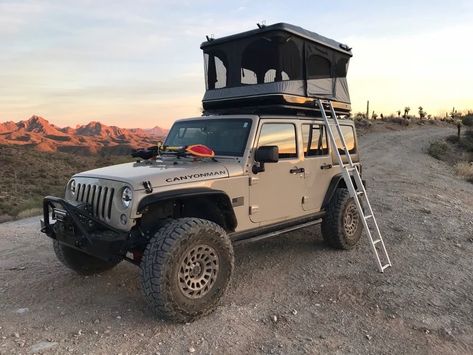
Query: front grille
x=99 y=197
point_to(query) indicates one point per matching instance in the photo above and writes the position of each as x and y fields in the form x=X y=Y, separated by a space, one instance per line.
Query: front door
x=276 y=193
x=317 y=165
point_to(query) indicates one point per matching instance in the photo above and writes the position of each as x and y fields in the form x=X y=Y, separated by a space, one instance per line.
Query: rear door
x=276 y=193
x=317 y=164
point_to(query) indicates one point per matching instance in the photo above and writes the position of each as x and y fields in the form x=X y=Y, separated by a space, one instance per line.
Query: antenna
x=262 y=24
x=210 y=38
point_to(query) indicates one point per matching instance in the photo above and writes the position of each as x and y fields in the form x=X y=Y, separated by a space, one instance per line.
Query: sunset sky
x=138 y=63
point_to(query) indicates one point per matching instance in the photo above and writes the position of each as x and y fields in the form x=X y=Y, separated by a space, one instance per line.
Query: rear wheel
x=342 y=225
x=186 y=268
x=83 y=264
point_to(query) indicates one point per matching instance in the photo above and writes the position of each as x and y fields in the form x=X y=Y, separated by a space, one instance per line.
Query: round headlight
x=73 y=187
x=127 y=196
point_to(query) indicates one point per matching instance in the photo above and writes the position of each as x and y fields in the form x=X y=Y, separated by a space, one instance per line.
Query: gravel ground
x=290 y=294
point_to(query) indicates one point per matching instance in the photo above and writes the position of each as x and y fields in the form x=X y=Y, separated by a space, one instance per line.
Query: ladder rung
x=369 y=216
x=359 y=193
x=385 y=266
x=351 y=169
x=376 y=241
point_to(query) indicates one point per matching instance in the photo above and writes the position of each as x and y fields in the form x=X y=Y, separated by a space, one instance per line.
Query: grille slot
x=99 y=197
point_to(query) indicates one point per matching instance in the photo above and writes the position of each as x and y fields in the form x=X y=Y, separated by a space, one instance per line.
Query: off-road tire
x=166 y=259
x=83 y=264
x=336 y=232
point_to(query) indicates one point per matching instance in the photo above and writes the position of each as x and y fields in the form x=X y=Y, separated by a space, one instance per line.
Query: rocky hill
x=92 y=138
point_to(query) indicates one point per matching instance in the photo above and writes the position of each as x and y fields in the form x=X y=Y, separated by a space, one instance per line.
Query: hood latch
x=148 y=187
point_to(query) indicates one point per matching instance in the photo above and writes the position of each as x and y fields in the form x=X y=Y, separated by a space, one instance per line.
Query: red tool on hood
x=200 y=150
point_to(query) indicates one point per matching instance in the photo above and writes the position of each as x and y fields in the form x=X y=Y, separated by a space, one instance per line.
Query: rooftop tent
x=277 y=65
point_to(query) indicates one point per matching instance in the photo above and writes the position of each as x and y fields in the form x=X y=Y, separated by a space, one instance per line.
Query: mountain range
x=92 y=138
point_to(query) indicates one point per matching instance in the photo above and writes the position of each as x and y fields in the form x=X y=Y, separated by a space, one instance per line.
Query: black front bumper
x=76 y=227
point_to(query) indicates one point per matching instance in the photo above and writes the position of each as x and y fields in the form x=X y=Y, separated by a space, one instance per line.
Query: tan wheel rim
x=351 y=221
x=198 y=271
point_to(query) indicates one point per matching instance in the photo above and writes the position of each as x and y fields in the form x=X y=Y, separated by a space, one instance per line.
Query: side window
x=281 y=134
x=315 y=140
x=349 y=136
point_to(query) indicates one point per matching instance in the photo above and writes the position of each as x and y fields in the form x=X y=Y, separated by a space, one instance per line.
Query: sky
x=138 y=63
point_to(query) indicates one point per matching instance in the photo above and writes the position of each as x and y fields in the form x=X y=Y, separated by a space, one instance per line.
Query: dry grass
x=465 y=170
x=457 y=152
x=30 y=213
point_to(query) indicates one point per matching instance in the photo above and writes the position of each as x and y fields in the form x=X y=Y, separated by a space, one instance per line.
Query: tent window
x=318 y=67
x=259 y=57
x=216 y=70
x=341 y=69
x=270 y=76
x=271 y=59
x=221 y=73
x=248 y=77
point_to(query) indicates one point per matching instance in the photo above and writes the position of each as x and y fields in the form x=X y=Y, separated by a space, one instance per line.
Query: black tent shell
x=296 y=30
x=275 y=66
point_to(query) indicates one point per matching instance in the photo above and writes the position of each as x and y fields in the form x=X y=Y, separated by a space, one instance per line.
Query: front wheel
x=186 y=268
x=342 y=225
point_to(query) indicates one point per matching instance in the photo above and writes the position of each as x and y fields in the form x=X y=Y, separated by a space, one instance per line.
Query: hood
x=163 y=174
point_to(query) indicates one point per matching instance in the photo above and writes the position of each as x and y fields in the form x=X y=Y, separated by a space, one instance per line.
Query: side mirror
x=265 y=154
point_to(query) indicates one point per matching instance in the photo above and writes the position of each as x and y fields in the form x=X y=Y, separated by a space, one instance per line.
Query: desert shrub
x=469 y=134
x=5 y=218
x=438 y=149
x=465 y=170
x=466 y=141
x=452 y=139
x=27 y=175
x=468 y=120
x=363 y=123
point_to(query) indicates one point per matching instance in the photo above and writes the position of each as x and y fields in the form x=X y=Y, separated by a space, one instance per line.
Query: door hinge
x=253 y=180
x=254 y=209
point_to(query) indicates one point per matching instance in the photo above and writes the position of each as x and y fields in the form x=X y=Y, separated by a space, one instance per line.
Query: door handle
x=297 y=170
x=326 y=166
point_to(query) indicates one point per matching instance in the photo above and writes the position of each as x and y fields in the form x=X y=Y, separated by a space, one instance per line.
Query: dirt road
x=290 y=294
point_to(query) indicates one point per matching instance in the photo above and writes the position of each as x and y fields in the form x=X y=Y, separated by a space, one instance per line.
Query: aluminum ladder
x=357 y=189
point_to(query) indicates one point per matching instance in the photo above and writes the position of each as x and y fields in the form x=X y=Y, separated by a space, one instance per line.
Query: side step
x=277 y=232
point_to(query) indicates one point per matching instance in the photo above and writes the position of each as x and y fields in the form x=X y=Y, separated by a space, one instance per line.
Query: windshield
x=223 y=136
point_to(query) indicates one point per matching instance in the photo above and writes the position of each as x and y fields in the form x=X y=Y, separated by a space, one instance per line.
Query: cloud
x=93 y=59
x=15 y=16
x=431 y=69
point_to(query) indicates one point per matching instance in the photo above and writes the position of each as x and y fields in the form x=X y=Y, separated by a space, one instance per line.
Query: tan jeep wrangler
x=177 y=215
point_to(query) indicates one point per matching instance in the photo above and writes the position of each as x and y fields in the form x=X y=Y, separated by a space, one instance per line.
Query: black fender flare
x=223 y=200
x=337 y=181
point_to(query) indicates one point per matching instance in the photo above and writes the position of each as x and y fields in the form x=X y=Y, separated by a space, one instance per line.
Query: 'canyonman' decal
x=196 y=176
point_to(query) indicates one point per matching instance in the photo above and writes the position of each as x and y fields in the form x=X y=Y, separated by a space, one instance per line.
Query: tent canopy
x=275 y=60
